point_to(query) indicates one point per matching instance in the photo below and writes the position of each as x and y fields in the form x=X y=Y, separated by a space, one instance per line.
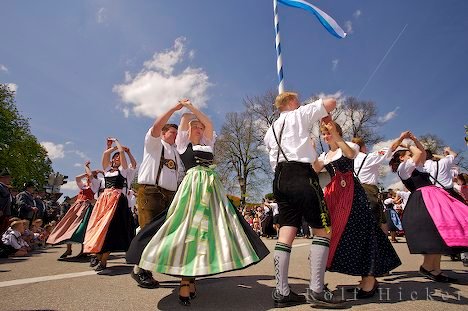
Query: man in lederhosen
x=298 y=194
x=366 y=168
x=160 y=173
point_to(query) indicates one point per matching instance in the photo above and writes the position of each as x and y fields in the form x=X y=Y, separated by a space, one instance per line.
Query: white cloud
x=70 y=185
x=78 y=164
x=101 y=16
x=3 y=68
x=157 y=87
x=357 y=13
x=12 y=87
x=390 y=115
x=335 y=64
x=55 y=151
x=69 y=143
x=348 y=27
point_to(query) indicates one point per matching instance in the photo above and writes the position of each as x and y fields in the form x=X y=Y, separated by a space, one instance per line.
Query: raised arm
x=106 y=157
x=208 y=133
x=87 y=169
x=418 y=151
x=449 y=151
x=397 y=142
x=78 y=178
x=133 y=162
x=123 y=158
x=162 y=120
x=318 y=166
x=329 y=104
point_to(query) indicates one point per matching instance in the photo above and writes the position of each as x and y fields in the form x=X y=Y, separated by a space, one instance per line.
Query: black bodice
x=343 y=165
x=192 y=158
x=417 y=180
x=117 y=181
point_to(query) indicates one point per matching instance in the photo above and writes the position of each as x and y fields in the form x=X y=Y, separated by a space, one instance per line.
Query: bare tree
x=432 y=142
x=240 y=154
x=263 y=109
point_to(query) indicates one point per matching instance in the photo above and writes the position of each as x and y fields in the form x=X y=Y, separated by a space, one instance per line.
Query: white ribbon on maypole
x=327 y=22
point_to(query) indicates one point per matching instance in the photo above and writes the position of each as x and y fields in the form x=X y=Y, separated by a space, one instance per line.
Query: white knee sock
x=318 y=262
x=281 y=261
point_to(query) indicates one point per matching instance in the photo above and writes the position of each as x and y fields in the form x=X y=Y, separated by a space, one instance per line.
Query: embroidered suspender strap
x=161 y=164
x=279 y=141
x=360 y=167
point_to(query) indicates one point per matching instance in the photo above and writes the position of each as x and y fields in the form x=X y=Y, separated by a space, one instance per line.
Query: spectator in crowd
x=5 y=199
x=25 y=200
x=13 y=241
x=461 y=185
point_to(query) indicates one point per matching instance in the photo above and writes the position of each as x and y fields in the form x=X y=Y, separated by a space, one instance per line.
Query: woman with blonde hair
x=203 y=233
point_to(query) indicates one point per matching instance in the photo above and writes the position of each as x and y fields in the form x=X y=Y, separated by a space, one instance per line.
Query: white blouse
x=338 y=154
x=182 y=141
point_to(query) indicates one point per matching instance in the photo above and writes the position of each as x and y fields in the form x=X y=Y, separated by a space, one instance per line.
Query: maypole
x=329 y=23
x=279 y=61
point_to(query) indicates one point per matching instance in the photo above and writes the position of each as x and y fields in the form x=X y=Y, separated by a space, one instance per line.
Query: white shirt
x=404 y=195
x=169 y=179
x=131 y=199
x=445 y=175
x=95 y=185
x=275 y=208
x=182 y=141
x=295 y=140
x=369 y=173
x=338 y=154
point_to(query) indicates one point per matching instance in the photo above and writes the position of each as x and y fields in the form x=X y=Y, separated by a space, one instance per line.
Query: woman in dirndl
x=358 y=246
x=435 y=223
x=203 y=233
x=110 y=227
x=72 y=227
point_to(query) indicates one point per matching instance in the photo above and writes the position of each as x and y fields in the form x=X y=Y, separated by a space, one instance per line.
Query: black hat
x=29 y=184
x=5 y=172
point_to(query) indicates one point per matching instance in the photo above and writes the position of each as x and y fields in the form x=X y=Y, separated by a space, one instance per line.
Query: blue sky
x=85 y=70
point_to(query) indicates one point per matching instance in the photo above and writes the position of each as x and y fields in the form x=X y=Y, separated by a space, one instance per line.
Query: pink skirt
x=450 y=216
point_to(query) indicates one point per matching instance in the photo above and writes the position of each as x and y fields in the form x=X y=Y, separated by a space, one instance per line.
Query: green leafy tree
x=20 y=151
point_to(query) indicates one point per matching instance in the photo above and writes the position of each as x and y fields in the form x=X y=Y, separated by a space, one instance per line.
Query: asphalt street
x=40 y=282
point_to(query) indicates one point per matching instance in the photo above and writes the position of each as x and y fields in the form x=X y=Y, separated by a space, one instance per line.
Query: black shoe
x=144 y=280
x=442 y=278
x=193 y=294
x=93 y=262
x=325 y=299
x=100 y=267
x=183 y=300
x=362 y=294
x=292 y=299
x=66 y=254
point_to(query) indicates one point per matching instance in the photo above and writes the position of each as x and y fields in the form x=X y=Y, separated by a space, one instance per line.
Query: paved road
x=40 y=282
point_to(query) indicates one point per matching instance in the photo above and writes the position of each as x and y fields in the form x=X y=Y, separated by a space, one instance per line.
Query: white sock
x=318 y=262
x=136 y=269
x=281 y=261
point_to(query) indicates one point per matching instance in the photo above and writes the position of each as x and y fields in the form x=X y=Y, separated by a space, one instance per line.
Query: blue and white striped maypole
x=329 y=23
x=279 y=61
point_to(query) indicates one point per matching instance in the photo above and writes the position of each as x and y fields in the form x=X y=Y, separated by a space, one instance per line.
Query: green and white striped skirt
x=203 y=234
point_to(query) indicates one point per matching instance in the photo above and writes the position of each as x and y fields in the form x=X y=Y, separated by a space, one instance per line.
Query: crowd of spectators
x=26 y=217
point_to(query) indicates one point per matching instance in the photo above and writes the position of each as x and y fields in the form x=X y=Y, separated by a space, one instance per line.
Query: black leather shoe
x=144 y=280
x=183 y=300
x=292 y=299
x=66 y=254
x=193 y=294
x=93 y=262
x=324 y=299
x=362 y=294
x=100 y=267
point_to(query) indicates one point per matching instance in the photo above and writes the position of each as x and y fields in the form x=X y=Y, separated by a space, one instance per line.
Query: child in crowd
x=13 y=241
